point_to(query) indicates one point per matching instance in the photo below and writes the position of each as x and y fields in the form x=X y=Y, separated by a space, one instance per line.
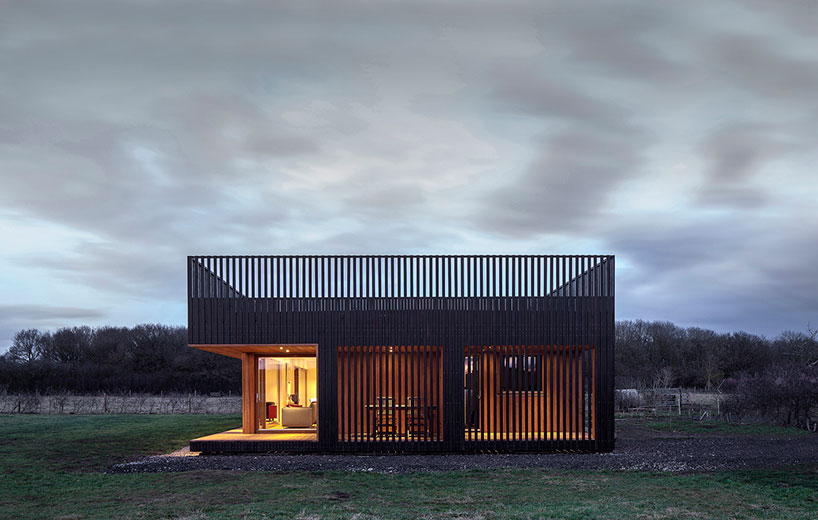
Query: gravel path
x=664 y=454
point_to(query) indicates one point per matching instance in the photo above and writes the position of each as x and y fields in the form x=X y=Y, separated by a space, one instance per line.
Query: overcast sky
x=680 y=136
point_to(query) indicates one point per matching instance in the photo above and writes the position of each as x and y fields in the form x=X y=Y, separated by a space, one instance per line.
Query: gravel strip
x=662 y=455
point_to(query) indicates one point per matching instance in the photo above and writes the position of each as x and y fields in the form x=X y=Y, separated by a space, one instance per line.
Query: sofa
x=298 y=416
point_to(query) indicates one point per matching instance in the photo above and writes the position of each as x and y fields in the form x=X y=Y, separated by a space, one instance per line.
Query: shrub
x=786 y=394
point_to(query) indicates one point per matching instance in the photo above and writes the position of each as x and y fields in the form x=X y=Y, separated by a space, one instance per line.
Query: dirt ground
x=638 y=448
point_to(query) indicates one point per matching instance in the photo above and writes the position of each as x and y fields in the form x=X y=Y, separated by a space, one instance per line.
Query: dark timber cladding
x=430 y=353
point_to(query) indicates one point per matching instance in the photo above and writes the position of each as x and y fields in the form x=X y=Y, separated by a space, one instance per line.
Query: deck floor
x=529 y=436
x=278 y=436
x=283 y=435
x=234 y=441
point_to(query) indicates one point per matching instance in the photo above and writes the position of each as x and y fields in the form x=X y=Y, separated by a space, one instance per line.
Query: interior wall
x=272 y=381
x=312 y=384
x=279 y=380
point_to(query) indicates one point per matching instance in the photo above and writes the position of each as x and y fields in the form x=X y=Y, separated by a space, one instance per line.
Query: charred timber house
x=399 y=353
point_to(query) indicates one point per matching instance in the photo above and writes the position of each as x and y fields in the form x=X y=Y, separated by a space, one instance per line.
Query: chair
x=384 y=416
x=416 y=413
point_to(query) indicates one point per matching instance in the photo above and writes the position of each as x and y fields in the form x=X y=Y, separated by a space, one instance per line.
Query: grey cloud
x=401 y=236
x=737 y=151
x=627 y=56
x=630 y=41
x=718 y=272
x=566 y=187
x=590 y=146
x=228 y=126
x=40 y=313
x=118 y=269
x=738 y=197
x=157 y=130
x=757 y=64
x=531 y=93
x=15 y=317
x=374 y=198
x=798 y=15
x=89 y=174
x=735 y=154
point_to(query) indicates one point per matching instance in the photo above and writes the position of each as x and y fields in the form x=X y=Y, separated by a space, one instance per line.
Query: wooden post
x=680 y=400
x=248 y=393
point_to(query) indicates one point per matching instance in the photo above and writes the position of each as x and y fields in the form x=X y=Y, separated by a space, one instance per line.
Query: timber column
x=248 y=393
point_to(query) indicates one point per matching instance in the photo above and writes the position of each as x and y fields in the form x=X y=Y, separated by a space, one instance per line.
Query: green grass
x=49 y=468
x=94 y=442
x=683 y=424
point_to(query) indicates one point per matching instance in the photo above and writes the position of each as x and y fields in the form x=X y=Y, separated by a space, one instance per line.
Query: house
x=398 y=353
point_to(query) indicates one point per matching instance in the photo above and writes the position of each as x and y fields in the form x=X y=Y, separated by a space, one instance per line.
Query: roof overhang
x=282 y=350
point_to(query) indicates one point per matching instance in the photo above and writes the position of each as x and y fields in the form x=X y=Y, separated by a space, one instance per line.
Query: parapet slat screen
x=414 y=276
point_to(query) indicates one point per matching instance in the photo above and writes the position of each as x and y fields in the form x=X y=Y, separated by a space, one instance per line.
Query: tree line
x=770 y=379
x=659 y=353
x=146 y=358
x=155 y=358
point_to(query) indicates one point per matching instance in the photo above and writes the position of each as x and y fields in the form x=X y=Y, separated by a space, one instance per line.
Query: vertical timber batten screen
x=389 y=395
x=479 y=352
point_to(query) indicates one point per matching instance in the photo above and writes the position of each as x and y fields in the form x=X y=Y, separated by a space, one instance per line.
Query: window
x=521 y=374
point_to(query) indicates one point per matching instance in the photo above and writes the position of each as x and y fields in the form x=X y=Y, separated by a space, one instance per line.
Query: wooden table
x=428 y=412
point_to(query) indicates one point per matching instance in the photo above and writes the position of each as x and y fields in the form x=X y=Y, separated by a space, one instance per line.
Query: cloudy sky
x=680 y=136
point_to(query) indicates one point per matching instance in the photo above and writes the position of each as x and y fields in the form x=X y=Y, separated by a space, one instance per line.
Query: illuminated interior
x=529 y=392
x=287 y=394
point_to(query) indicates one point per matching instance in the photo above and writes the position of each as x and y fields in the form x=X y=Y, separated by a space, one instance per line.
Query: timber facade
x=397 y=353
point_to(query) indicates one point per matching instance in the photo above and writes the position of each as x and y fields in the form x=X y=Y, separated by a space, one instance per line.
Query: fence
x=118 y=404
x=675 y=400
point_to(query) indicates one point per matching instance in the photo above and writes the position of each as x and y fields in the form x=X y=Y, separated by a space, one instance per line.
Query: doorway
x=287 y=396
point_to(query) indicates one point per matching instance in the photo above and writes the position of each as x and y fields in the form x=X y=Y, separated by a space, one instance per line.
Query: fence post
x=680 y=400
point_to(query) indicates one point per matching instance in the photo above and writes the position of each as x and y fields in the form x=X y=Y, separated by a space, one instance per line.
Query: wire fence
x=105 y=403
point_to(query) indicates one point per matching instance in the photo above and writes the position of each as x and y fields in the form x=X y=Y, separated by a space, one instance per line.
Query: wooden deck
x=529 y=436
x=234 y=441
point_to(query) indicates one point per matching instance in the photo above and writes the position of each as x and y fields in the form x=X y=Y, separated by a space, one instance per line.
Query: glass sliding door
x=287 y=393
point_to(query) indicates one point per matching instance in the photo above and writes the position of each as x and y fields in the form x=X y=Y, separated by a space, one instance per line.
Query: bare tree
x=26 y=346
x=664 y=378
x=812 y=334
x=799 y=347
x=711 y=368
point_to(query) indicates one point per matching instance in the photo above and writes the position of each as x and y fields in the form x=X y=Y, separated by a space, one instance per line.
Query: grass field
x=672 y=423
x=50 y=467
